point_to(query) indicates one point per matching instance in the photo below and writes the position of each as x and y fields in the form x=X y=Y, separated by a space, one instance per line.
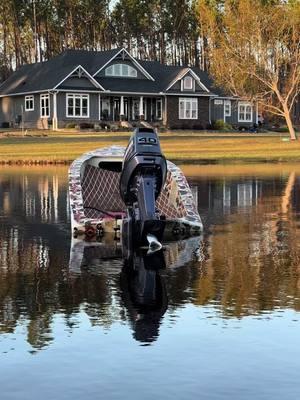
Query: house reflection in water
x=223 y=197
x=250 y=262
x=253 y=263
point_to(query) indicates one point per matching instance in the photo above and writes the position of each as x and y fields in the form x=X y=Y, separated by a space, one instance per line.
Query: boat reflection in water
x=142 y=281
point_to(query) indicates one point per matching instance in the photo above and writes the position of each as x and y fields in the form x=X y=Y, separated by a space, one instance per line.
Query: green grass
x=193 y=147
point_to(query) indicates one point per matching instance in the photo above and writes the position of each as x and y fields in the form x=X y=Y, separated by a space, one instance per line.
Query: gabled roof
x=81 y=72
x=48 y=75
x=183 y=73
x=125 y=53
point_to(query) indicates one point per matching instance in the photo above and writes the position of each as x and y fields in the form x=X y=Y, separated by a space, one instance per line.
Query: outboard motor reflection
x=144 y=293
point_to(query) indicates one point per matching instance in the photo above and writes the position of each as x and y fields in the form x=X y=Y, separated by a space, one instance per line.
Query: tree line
x=36 y=30
x=250 y=47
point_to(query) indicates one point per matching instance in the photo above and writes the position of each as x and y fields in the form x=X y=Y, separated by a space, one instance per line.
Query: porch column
x=165 y=110
x=122 y=113
x=141 y=108
x=54 y=119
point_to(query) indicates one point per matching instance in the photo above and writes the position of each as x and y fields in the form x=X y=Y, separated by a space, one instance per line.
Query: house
x=79 y=87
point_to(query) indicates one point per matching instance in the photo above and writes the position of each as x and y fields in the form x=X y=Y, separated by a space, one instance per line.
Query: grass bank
x=183 y=147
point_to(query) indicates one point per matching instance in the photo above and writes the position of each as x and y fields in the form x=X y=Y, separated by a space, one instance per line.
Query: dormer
x=187 y=81
x=123 y=65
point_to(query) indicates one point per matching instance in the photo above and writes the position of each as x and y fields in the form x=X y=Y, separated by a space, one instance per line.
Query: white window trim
x=120 y=75
x=43 y=97
x=159 y=101
x=186 y=100
x=183 y=88
x=29 y=98
x=245 y=104
x=227 y=102
x=81 y=96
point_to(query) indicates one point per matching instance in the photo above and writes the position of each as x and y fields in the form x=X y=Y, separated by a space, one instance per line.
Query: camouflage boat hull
x=96 y=205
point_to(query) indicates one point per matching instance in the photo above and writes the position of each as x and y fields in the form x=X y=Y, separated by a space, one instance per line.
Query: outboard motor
x=142 y=178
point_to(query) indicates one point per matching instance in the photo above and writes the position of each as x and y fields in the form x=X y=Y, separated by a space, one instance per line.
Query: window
x=188 y=108
x=121 y=70
x=188 y=83
x=158 y=109
x=218 y=102
x=227 y=108
x=78 y=105
x=29 y=103
x=45 y=105
x=245 y=112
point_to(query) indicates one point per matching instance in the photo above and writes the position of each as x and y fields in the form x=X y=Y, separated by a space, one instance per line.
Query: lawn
x=188 y=147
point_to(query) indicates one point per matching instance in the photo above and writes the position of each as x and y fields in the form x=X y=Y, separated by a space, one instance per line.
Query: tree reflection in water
x=249 y=262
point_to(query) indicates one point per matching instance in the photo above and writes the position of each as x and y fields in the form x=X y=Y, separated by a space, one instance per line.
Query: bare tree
x=254 y=48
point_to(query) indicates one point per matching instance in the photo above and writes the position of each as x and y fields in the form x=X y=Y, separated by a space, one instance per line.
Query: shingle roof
x=46 y=75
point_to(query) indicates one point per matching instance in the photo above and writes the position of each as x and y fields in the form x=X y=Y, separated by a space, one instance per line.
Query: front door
x=135 y=109
x=116 y=109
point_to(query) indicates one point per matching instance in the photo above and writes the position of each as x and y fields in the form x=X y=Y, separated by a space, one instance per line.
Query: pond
x=221 y=322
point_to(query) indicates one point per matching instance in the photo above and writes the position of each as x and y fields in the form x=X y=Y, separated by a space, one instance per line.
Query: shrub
x=71 y=125
x=220 y=125
x=86 y=125
x=282 y=129
x=5 y=124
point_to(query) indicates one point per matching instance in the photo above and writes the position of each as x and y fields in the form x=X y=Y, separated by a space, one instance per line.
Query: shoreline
x=193 y=148
x=181 y=161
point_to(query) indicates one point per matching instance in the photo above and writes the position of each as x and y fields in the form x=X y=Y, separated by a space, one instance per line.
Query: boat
x=111 y=186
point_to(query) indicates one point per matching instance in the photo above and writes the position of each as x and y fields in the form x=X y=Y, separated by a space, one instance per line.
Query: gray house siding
x=217 y=110
x=217 y=113
x=63 y=120
x=173 y=121
x=13 y=112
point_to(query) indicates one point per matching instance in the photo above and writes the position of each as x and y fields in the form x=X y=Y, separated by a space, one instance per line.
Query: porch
x=129 y=108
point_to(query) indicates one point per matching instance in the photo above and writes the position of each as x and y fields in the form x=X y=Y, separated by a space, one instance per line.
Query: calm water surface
x=222 y=323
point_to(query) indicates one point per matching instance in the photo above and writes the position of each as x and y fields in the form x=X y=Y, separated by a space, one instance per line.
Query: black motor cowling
x=142 y=178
